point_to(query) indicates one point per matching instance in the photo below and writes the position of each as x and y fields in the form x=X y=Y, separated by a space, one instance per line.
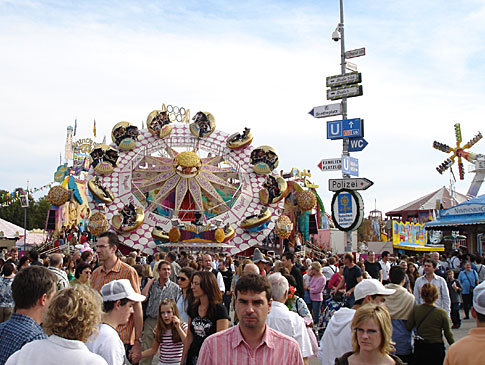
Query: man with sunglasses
x=337 y=339
x=156 y=291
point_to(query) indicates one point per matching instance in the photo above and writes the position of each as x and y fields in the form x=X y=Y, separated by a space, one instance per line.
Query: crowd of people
x=100 y=307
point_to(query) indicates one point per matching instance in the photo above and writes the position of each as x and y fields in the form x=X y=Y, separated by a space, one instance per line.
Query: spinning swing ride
x=181 y=184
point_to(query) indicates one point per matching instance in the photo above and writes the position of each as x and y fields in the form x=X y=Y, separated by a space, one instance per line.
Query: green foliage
x=36 y=212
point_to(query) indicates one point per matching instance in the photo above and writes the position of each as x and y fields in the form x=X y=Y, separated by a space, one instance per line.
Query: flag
x=94 y=128
x=75 y=127
x=60 y=159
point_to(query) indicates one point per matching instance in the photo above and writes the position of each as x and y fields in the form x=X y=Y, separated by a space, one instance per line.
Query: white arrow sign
x=331 y=164
x=328 y=110
x=350 y=66
x=360 y=183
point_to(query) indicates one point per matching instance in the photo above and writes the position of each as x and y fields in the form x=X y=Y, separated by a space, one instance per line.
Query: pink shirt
x=228 y=347
x=335 y=281
x=317 y=284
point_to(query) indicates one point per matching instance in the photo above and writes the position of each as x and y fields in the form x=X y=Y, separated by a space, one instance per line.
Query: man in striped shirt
x=114 y=269
x=251 y=341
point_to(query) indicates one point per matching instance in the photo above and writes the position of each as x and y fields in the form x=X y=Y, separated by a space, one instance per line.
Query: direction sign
x=328 y=110
x=347 y=209
x=346 y=79
x=357 y=144
x=350 y=66
x=350 y=166
x=331 y=164
x=348 y=91
x=355 y=53
x=351 y=184
x=345 y=128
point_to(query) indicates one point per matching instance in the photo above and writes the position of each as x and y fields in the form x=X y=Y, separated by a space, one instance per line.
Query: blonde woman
x=72 y=317
x=371 y=338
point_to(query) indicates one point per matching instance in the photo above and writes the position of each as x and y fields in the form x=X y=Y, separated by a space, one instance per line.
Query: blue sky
x=260 y=64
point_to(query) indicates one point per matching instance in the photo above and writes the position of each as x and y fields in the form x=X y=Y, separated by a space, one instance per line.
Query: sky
x=260 y=64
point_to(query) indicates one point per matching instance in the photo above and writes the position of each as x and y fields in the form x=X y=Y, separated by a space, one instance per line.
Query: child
x=168 y=335
x=454 y=289
x=118 y=300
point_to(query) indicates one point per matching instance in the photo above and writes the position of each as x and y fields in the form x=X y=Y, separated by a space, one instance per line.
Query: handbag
x=418 y=339
x=471 y=286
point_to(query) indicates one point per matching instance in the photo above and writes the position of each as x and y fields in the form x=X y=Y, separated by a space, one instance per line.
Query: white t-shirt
x=386 y=267
x=328 y=271
x=54 y=351
x=306 y=280
x=107 y=344
x=337 y=339
x=281 y=319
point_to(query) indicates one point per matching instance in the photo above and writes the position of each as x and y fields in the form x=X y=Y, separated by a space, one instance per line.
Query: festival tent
x=9 y=233
x=422 y=208
x=10 y=230
x=468 y=218
x=34 y=237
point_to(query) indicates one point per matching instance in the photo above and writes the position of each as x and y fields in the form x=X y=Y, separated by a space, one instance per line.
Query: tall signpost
x=347 y=204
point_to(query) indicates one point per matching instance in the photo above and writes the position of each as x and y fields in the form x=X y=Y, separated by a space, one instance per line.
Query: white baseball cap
x=479 y=298
x=370 y=287
x=120 y=289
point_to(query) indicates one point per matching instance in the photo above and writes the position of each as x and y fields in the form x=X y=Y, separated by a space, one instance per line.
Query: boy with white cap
x=337 y=339
x=118 y=300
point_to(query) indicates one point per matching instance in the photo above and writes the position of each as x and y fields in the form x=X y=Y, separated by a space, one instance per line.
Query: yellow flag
x=94 y=128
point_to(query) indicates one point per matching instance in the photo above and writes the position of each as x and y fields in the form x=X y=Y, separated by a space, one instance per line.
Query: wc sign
x=357 y=144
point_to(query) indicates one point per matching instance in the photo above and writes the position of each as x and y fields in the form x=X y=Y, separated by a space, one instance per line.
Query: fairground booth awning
x=471 y=212
x=422 y=208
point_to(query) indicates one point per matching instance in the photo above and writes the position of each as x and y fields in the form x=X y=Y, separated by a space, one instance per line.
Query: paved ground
x=459 y=333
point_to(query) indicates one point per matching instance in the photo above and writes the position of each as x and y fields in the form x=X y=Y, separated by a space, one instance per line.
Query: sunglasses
x=181 y=278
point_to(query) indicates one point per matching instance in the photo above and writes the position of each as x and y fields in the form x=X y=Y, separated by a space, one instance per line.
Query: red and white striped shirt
x=170 y=352
x=229 y=347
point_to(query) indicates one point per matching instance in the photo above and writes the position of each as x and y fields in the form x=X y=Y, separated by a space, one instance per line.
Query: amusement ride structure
x=458 y=153
x=181 y=184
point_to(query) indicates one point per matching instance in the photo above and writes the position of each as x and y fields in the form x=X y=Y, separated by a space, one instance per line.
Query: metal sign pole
x=345 y=141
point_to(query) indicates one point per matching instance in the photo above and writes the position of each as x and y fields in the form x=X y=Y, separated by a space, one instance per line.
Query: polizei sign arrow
x=350 y=184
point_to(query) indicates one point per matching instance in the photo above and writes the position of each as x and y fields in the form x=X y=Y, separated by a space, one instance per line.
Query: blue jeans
x=316 y=307
x=455 y=314
x=350 y=301
x=306 y=298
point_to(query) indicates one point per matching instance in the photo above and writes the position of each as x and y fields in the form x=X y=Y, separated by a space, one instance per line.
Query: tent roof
x=428 y=202
x=33 y=238
x=10 y=230
x=467 y=213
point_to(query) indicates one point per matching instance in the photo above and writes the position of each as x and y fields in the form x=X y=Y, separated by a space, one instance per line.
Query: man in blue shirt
x=32 y=290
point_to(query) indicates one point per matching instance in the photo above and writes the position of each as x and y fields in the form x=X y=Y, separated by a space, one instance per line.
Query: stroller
x=332 y=304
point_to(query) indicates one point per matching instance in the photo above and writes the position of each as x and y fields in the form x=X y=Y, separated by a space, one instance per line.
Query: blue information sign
x=344 y=203
x=346 y=128
x=357 y=144
x=350 y=166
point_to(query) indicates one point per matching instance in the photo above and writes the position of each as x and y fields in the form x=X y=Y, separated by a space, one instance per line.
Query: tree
x=14 y=213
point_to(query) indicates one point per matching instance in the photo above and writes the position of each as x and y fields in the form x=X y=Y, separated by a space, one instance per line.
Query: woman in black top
x=207 y=315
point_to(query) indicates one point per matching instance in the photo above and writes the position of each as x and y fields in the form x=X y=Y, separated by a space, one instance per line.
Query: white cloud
x=241 y=71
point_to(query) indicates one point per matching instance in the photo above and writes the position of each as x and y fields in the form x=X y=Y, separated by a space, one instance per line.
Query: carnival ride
x=458 y=153
x=181 y=184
